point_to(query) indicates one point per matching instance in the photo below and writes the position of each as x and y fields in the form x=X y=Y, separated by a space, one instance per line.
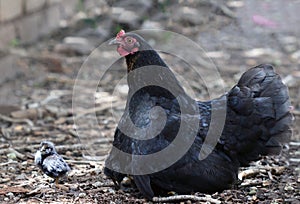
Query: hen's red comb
x=120 y=33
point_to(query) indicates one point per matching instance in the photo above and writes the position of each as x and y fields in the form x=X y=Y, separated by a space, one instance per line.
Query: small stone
x=290 y=80
x=73 y=187
x=11 y=169
x=24 y=163
x=123 y=89
x=288 y=40
x=112 y=191
x=12 y=156
x=140 y=7
x=296 y=55
x=191 y=16
x=32 y=105
x=278 y=170
x=151 y=25
x=290 y=48
x=74 y=45
x=6 y=199
x=126 y=181
x=252 y=191
x=16 y=199
x=126 y=17
x=20 y=177
x=10 y=195
x=97 y=184
x=81 y=195
x=288 y=188
x=266 y=183
x=98 y=171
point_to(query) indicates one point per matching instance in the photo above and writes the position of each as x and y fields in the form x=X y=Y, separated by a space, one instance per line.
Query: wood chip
x=12 y=120
x=185 y=197
x=13 y=189
x=247 y=173
x=33 y=113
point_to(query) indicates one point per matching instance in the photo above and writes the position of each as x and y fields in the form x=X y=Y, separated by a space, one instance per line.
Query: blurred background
x=43 y=44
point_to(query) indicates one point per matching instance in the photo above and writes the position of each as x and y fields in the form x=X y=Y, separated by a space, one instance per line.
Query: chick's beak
x=43 y=148
x=114 y=42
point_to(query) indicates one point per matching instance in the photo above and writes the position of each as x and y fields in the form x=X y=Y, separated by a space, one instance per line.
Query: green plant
x=15 y=42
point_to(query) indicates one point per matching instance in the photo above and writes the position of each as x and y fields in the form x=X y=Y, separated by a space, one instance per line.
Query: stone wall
x=27 y=20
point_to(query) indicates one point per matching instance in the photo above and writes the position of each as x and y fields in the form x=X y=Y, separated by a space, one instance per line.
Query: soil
x=36 y=105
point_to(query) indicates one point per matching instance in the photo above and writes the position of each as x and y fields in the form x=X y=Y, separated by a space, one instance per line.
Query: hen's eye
x=129 y=40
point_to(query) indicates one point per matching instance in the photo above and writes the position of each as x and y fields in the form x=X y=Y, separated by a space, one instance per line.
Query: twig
x=12 y=120
x=248 y=173
x=297 y=160
x=13 y=189
x=8 y=163
x=100 y=188
x=71 y=132
x=295 y=143
x=78 y=162
x=63 y=79
x=39 y=199
x=32 y=147
x=89 y=111
x=70 y=147
x=5 y=180
x=95 y=158
x=18 y=154
x=252 y=172
x=3 y=146
x=11 y=150
x=98 y=109
x=35 y=191
x=270 y=176
x=254 y=183
x=228 y=198
x=185 y=197
x=294 y=112
x=224 y=9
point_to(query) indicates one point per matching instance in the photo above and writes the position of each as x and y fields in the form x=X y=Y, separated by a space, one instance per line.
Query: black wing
x=54 y=166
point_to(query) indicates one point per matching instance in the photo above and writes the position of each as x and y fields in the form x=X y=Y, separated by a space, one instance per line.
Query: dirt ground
x=36 y=105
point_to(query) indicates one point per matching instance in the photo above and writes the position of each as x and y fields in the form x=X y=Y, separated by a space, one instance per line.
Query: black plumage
x=257 y=123
x=50 y=162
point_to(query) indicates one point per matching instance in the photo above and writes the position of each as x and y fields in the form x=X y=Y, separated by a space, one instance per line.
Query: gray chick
x=50 y=162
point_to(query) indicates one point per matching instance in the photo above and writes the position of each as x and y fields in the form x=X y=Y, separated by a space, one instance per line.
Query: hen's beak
x=114 y=42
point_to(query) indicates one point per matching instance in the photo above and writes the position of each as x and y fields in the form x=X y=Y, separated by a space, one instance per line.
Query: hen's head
x=129 y=43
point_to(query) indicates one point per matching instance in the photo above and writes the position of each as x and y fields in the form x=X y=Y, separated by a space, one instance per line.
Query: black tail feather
x=263 y=113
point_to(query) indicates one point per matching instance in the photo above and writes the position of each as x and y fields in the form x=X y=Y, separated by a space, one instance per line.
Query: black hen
x=257 y=123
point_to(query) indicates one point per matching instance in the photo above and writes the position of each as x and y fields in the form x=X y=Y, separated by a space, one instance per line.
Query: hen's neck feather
x=151 y=58
x=143 y=58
